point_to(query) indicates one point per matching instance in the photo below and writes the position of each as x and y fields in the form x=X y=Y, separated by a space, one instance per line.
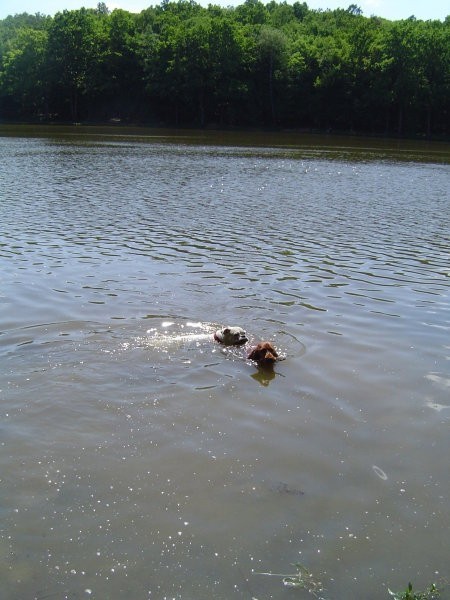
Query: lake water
x=139 y=461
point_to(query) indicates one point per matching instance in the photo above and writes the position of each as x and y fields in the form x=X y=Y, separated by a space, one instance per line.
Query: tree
x=122 y=71
x=433 y=44
x=354 y=9
x=401 y=67
x=75 y=52
x=300 y=10
x=22 y=74
x=227 y=47
x=252 y=12
x=272 y=46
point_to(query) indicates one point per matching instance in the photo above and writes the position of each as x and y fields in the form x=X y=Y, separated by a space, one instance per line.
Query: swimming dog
x=231 y=336
x=264 y=354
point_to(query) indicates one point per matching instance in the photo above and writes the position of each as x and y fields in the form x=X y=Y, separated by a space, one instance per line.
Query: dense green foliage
x=275 y=65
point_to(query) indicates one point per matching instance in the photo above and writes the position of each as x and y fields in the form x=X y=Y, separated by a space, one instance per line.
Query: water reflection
x=138 y=461
x=264 y=375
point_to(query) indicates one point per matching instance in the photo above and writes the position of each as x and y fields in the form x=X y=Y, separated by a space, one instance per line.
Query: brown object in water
x=264 y=354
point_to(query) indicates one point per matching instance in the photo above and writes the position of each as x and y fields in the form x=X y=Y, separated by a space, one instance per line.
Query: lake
x=139 y=459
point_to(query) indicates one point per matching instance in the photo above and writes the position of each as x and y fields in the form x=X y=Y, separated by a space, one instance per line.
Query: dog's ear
x=268 y=347
x=274 y=352
x=226 y=330
x=254 y=354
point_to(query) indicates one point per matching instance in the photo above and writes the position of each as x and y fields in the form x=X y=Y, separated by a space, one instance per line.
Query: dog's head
x=264 y=354
x=231 y=336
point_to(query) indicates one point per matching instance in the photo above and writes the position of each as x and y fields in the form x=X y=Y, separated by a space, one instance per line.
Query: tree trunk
x=74 y=104
x=271 y=98
x=429 y=121
x=400 y=120
x=201 y=108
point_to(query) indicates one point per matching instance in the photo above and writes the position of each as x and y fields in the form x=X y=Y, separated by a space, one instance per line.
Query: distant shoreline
x=214 y=129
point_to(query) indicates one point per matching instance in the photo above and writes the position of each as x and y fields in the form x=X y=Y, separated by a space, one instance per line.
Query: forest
x=274 y=65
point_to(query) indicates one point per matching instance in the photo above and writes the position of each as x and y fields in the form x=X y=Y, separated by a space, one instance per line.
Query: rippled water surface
x=141 y=460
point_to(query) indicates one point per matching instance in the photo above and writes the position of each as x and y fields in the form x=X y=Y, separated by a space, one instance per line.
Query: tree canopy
x=254 y=65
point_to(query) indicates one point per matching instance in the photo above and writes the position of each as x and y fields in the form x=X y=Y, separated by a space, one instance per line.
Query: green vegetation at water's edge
x=254 y=65
x=302 y=579
x=432 y=593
